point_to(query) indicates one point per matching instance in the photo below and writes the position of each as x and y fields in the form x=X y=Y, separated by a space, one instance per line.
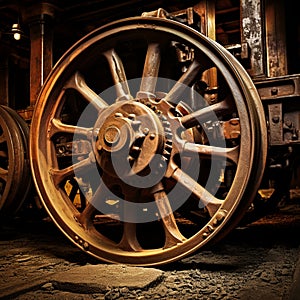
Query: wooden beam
x=275 y=38
x=207 y=13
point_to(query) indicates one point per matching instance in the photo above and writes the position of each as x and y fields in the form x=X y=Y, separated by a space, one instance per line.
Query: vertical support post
x=252 y=34
x=206 y=9
x=275 y=38
x=40 y=55
x=41 y=39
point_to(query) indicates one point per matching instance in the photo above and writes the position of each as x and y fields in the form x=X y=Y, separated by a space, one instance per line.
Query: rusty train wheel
x=137 y=157
x=14 y=168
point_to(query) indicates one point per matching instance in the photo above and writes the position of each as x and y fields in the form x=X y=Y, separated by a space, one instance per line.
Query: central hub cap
x=130 y=136
x=112 y=135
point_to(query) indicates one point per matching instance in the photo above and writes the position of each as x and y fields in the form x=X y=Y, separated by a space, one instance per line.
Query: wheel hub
x=130 y=135
x=112 y=135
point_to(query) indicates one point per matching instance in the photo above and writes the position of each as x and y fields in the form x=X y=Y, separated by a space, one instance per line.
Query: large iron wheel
x=137 y=155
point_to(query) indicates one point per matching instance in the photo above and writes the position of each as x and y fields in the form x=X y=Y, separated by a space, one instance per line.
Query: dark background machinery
x=261 y=35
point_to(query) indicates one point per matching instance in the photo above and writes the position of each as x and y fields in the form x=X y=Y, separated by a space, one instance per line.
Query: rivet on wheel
x=145 y=130
x=85 y=246
x=210 y=228
x=219 y=218
x=205 y=235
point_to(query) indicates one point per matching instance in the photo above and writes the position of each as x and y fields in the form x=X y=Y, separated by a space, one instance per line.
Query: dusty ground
x=256 y=261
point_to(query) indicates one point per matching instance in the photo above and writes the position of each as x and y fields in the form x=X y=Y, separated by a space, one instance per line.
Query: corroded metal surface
x=252 y=34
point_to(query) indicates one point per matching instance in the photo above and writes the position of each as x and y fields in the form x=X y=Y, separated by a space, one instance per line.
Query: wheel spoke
x=78 y=83
x=3 y=174
x=187 y=79
x=205 y=114
x=3 y=154
x=231 y=154
x=85 y=218
x=172 y=234
x=60 y=175
x=129 y=239
x=150 y=72
x=58 y=126
x=118 y=75
x=211 y=203
x=2 y=138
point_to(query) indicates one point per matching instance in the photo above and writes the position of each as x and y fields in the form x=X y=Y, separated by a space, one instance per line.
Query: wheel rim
x=14 y=169
x=80 y=129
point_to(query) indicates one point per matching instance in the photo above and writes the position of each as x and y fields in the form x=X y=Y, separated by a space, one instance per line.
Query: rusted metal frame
x=279 y=87
x=275 y=123
x=274 y=94
x=283 y=123
x=183 y=16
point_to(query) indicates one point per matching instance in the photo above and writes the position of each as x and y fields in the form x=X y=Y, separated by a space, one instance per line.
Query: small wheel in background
x=15 y=176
